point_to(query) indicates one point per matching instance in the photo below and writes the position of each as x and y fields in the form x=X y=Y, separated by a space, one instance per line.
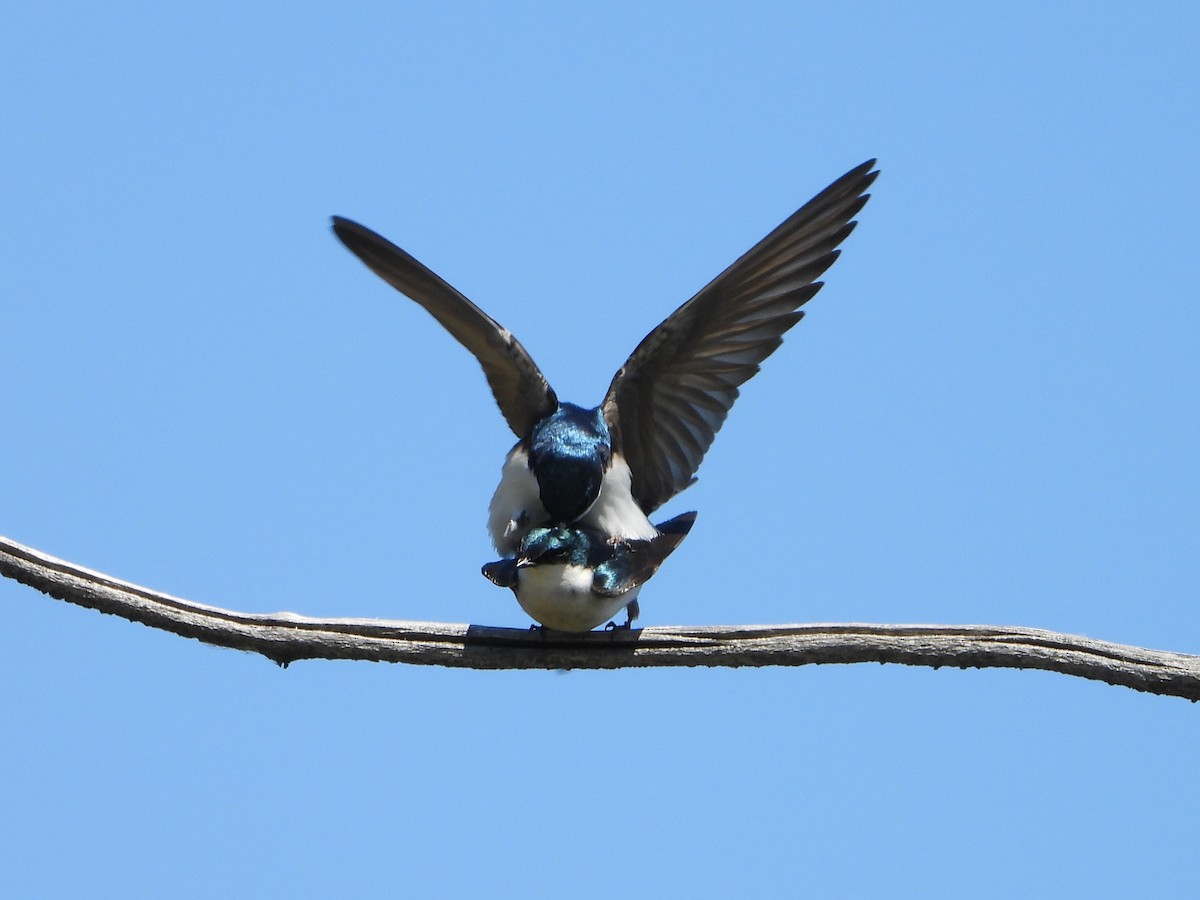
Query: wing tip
x=355 y=237
x=860 y=177
x=681 y=524
x=341 y=224
x=863 y=169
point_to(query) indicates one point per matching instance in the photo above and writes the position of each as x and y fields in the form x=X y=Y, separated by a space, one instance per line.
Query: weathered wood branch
x=287 y=637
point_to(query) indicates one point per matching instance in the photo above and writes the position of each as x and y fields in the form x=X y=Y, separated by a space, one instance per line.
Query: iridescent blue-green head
x=569 y=451
x=556 y=544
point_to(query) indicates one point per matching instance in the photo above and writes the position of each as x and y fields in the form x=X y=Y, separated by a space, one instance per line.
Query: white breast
x=560 y=597
x=615 y=512
x=516 y=506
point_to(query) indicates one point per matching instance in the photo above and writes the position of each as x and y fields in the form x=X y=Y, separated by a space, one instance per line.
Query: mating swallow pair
x=571 y=512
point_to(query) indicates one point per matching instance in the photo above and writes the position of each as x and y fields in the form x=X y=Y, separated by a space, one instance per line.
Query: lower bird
x=572 y=578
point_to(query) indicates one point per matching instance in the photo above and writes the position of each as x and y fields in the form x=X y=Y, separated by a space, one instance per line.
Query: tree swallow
x=572 y=578
x=607 y=468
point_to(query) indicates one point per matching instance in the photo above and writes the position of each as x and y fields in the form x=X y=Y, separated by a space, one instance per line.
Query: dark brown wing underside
x=520 y=389
x=668 y=401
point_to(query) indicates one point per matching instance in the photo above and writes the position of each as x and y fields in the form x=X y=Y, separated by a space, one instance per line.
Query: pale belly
x=560 y=597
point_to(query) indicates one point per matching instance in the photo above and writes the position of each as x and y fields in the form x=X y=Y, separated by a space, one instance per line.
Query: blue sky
x=988 y=416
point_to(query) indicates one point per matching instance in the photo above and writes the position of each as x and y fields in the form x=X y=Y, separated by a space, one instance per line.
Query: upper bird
x=609 y=467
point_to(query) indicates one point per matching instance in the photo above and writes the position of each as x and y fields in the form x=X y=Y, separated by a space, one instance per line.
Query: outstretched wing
x=520 y=389
x=666 y=404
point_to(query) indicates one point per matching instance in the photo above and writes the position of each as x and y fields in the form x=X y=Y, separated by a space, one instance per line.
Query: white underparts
x=560 y=597
x=516 y=506
x=615 y=512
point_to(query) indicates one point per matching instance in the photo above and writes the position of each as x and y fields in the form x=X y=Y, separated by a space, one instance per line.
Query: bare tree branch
x=286 y=637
